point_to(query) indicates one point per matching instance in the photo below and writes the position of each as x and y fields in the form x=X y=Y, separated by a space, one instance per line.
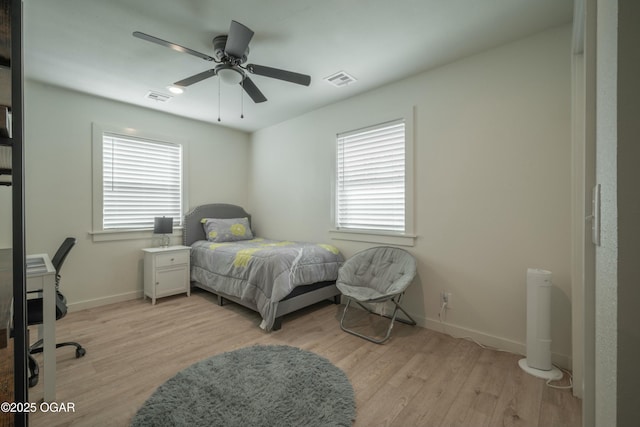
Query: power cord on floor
x=442 y=315
x=486 y=347
x=562 y=387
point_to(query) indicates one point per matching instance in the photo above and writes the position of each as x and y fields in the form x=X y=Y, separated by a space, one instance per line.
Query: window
x=135 y=179
x=371 y=179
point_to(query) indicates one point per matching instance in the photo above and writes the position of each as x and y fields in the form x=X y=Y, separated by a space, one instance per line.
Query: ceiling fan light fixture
x=229 y=75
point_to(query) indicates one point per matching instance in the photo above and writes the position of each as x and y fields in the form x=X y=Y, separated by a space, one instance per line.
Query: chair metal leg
x=37 y=348
x=409 y=320
x=392 y=318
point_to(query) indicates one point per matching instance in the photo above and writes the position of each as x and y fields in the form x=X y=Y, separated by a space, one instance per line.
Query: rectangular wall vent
x=340 y=79
x=157 y=96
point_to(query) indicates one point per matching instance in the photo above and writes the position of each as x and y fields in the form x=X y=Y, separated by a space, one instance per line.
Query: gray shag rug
x=270 y=385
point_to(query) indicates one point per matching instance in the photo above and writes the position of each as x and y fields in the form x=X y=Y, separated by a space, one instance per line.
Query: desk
x=42 y=276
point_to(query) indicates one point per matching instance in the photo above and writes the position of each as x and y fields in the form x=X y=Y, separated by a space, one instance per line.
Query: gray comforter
x=262 y=271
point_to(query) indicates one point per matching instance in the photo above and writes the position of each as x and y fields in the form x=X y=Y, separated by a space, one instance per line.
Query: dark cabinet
x=13 y=325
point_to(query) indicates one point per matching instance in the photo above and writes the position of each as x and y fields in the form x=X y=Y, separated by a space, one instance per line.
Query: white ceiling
x=86 y=45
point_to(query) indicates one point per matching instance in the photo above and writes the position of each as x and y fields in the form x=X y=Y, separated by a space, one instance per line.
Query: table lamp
x=164 y=226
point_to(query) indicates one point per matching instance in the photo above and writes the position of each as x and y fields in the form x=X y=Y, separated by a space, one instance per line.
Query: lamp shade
x=162 y=225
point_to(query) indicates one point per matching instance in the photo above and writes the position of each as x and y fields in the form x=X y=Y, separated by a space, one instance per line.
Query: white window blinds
x=142 y=179
x=370 y=193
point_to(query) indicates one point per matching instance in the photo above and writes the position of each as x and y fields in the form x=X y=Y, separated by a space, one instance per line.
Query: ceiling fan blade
x=276 y=73
x=238 y=40
x=173 y=46
x=196 y=78
x=252 y=90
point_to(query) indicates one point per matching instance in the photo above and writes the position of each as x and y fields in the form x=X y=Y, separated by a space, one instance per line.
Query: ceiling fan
x=230 y=52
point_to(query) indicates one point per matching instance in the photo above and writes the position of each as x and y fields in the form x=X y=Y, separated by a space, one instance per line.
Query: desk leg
x=49 y=339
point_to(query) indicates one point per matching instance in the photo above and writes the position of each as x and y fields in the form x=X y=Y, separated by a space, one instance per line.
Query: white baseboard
x=97 y=302
x=561 y=360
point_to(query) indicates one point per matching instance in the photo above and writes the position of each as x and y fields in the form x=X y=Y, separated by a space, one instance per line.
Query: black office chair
x=35 y=313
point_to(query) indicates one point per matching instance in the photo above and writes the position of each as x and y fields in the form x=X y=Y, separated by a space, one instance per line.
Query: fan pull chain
x=218 y=98
x=242 y=99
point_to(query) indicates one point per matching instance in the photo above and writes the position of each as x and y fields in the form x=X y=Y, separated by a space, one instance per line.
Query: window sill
x=373 y=237
x=142 y=234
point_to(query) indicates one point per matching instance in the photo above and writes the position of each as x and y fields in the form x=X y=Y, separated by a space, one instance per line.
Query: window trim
x=373 y=236
x=98 y=233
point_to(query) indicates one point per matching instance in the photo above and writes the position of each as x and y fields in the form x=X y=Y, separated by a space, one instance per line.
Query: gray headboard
x=193 y=230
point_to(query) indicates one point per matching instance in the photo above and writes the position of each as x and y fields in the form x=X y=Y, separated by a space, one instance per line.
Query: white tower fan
x=538 y=360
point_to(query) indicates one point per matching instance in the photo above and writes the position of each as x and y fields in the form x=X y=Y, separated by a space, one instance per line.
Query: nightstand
x=166 y=271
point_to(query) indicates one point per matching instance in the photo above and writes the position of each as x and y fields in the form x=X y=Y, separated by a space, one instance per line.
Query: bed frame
x=301 y=297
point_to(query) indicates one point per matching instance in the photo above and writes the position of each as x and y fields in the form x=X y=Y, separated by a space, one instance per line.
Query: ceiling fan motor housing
x=219 y=44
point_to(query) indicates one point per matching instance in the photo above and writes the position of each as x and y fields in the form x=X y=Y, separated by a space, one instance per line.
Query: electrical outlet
x=445 y=298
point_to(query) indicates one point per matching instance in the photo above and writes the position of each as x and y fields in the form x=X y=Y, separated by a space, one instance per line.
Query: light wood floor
x=418 y=378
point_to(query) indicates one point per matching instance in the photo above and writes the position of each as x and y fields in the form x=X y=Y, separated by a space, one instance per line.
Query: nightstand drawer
x=170 y=259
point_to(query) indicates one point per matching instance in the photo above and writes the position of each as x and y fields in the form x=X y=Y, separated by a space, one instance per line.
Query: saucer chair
x=374 y=276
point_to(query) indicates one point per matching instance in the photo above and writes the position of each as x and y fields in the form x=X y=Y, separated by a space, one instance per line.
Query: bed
x=271 y=277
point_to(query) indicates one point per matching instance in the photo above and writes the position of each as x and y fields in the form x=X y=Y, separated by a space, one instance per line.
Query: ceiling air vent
x=157 y=96
x=340 y=79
